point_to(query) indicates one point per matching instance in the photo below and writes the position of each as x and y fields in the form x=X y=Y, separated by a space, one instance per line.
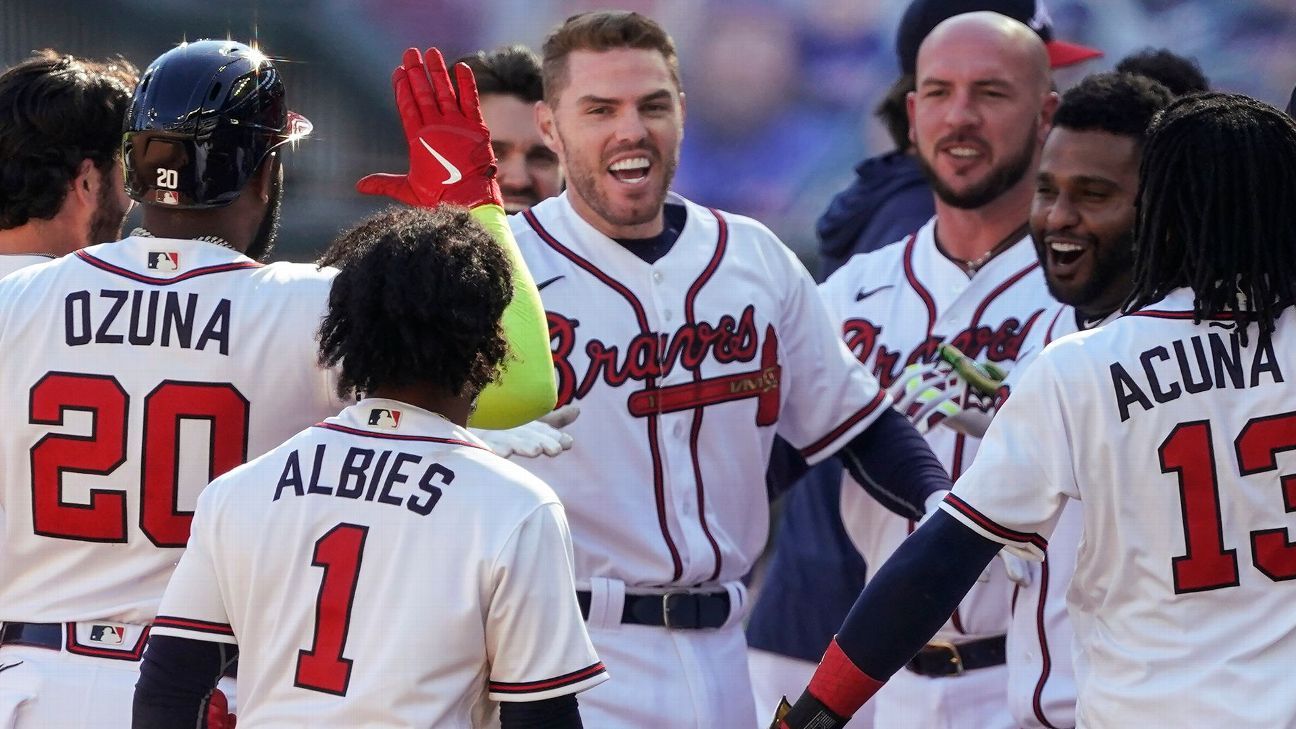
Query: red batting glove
x=451 y=160
x=218 y=716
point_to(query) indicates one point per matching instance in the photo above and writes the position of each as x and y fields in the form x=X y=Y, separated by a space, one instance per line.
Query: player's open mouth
x=632 y=170
x=1064 y=256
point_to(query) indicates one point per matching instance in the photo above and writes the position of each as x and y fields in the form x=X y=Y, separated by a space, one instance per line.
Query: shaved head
x=1015 y=42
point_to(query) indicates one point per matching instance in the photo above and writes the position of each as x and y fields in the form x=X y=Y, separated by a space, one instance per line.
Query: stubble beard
x=1001 y=179
x=584 y=182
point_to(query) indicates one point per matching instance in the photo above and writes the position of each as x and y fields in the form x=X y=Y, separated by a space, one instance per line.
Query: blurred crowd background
x=780 y=92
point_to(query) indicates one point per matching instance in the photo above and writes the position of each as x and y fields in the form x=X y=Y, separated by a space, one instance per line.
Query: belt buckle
x=666 y=607
x=956 y=660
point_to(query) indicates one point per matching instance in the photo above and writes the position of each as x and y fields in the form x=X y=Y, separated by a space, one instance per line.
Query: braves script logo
x=979 y=343
x=656 y=354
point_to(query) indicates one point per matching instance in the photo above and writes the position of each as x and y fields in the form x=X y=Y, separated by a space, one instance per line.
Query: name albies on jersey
x=384 y=568
x=895 y=307
x=684 y=369
x=134 y=372
x=1177 y=440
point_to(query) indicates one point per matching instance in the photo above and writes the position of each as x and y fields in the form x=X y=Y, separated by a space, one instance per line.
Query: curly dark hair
x=512 y=71
x=1116 y=103
x=58 y=111
x=418 y=300
x=1215 y=209
x=892 y=111
x=1180 y=74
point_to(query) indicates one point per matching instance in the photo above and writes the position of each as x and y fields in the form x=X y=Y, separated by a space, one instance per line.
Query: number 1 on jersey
x=339 y=552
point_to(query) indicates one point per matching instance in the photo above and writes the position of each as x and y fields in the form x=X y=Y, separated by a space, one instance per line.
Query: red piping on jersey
x=1220 y=316
x=917 y=286
x=722 y=241
x=1007 y=284
x=394 y=436
x=994 y=527
x=1048 y=335
x=201 y=626
x=153 y=280
x=810 y=450
x=1046 y=661
x=567 y=679
x=659 y=486
x=134 y=654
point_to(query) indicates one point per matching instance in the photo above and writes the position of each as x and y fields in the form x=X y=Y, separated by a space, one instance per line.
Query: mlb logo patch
x=164 y=261
x=167 y=197
x=107 y=634
x=384 y=418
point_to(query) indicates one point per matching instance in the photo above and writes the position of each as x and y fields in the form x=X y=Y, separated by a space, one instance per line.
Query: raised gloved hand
x=952 y=391
x=543 y=435
x=451 y=160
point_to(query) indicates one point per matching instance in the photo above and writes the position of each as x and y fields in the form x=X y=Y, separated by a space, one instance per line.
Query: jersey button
x=666 y=314
x=678 y=429
x=657 y=276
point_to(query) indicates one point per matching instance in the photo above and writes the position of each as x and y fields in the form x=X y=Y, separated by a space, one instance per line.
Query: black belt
x=940 y=658
x=674 y=610
x=50 y=636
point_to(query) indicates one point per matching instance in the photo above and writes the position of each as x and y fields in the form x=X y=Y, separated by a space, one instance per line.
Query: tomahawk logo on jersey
x=137 y=386
x=1204 y=536
x=299 y=529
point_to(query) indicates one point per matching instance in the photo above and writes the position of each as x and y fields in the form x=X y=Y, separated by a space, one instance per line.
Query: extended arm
x=895 y=465
x=904 y=604
x=177 y=683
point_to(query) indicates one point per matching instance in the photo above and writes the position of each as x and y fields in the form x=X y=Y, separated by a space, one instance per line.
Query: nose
x=512 y=174
x=630 y=127
x=1062 y=213
x=962 y=110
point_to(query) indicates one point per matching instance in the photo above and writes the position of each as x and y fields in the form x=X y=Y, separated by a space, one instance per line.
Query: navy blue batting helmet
x=204 y=117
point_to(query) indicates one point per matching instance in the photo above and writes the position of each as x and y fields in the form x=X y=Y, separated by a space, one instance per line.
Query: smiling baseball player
x=303 y=558
x=1172 y=426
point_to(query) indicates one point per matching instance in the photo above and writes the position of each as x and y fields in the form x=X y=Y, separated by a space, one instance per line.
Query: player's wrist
x=839 y=685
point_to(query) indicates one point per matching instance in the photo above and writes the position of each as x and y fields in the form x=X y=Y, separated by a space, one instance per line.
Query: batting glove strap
x=810 y=713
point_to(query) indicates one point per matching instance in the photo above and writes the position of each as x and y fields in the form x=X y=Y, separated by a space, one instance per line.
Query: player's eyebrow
x=603 y=100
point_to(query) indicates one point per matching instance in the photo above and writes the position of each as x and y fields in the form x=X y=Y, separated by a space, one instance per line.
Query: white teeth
x=963 y=152
x=1065 y=247
x=634 y=163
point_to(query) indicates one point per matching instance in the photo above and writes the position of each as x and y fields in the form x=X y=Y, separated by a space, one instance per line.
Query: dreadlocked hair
x=418 y=299
x=1216 y=212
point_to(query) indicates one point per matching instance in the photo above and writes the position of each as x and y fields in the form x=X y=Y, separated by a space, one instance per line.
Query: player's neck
x=970 y=234
x=454 y=408
x=55 y=237
x=612 y=230
x=185 y=226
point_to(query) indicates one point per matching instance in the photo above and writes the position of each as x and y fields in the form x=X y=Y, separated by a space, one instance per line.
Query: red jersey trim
x=199 y=626
x=1222 y=316
x=999 y=290
x=1048 y=334
x=155 y=281
x=549 y=684
x=810 y=450
x=393 y=436
x=994 y=527
x=1046 y=659
x=916 y=285
x=659 y=485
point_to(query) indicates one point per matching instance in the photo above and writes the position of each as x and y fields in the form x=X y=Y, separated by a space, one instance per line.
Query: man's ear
x=84 y=188
x=544 y=117
x=910 y=99
x=262 y=182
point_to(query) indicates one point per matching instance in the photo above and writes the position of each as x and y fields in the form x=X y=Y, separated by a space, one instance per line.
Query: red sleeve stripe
x=529 y=687
x=993 y=527
x=201 y=626
x=827 y=440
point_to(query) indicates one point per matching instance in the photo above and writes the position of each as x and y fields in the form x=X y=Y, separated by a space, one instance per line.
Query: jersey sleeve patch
x=568 y=683
x=191 y=628
x=964 y=512
x=818 y=447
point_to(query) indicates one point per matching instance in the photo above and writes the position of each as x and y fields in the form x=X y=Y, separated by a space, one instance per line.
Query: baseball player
x=969 y=278
x=508 y=81
x=1180 y=594
x=139 y=370
x=60 y=154
x=302 y=558
x=688 y=336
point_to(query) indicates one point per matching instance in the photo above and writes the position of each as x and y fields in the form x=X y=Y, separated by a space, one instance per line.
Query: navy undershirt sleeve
x=894 y=464
x=913 y=594
x=177 y=676
x=559 y=712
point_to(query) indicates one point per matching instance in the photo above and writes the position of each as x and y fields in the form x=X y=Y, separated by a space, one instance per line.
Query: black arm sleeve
x=559 y=712
x=177 y=676
x=786 y=467
x=895 y=465
x=913 y=594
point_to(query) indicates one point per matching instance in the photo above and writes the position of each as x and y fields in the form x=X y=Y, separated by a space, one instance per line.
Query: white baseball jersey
x=136 y=371
x=895 y=307
x=10 y=262
x=1176 y=439
x=684 y=368
x=1041 y=673
x=384 y=568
